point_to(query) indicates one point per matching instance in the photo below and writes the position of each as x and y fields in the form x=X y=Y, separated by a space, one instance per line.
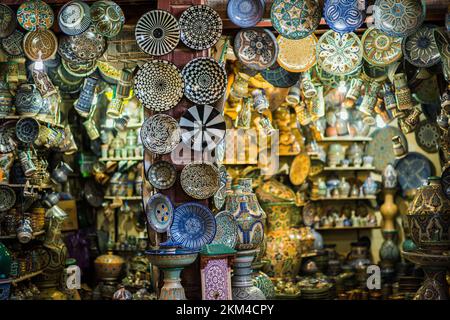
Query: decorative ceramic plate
x=220 y=195
x=201 y=27
x=297 y=55
x=13 y=44
x=295 y=19
x=445 y=182
x=27 y=130
x=160 y=134
x=157 y=32
x=339 y=53
x=200 y=180
x=40 y=45
x=380 y=148
x=344 y=15
x=7 y=198
x=8 y=21
x=256 y=48
x=308 y=213
x=380 y=49
x=279 y=77
x=420 y=49
x=205 y=80
x=375 y=73
x=88 y=45
x=79 y=69
x=202 y=127
x=413 y=171
x=74 y=17
x=65 y=50
x=193 y=226
x=159 y=212
x=245 y=13
x=162 y=175
x=107 y=18
x=333 y=81
x=427 y=136
x=299 y=169
x=64 y=81
x=398 y=18
x=8 y=141
x=35 y=15
x=226 y=229
x=159 y=85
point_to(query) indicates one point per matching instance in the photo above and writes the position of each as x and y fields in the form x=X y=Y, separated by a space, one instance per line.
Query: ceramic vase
x=370 y=98
x=390 y=176
x=399 y=148
x=389 y=97
x=354 y=92
x=244 y=117
x=242 y=282
x=263 y=282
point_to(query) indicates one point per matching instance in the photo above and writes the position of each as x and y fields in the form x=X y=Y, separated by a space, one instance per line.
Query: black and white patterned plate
x=160 y=134
x=157 y=32
x=200 y=180
x=162 y=175
x=159 y=85
x=201 y=27
x=205 y=80
x=202 y=127
x=427 y=136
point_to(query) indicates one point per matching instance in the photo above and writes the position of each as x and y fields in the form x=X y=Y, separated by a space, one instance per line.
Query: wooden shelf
x=347 y=228
x=362 y=168
x=27 y=276
x=346 y=198
x=123 y=198
x=122 y=159
x=13 y=236
x=345 y=139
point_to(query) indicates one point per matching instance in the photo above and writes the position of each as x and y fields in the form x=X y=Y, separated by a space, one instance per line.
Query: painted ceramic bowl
x=107 y=18
x=8 y=21
x=74 y=17
x=380 y=49
x=245 y=13
x=171 y=259
x=40 y=45
x=27 y=130
x=79 y=69
x=35 y=15
x=200 y=180
x=160 y=134
x=159 y=212
x=162 y=175
x=13 y=44
x=344 y=15
x=88 y=45
x=420 y=48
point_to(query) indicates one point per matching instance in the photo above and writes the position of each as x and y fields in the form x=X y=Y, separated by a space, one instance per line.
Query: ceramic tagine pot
x=109 y=266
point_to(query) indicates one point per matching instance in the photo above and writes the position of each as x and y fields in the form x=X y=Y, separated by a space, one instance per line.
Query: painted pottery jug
x=108 y=267
x=411 y=121
x=370 y=187
x=370 y=98
x=355 y=153
x=402 y=92
x=24 y=231
x=389 y=97
x=61 y=172
x=260 y=102
x=344 y=188
x=443 y=44
x=244 y=117
x=84 y=103
x=6 y=100
x=28 y=100
x=335 y=154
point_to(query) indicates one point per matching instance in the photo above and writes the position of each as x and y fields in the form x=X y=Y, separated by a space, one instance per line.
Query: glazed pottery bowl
x=171 y=259
x=74 y=17
x=430 y=232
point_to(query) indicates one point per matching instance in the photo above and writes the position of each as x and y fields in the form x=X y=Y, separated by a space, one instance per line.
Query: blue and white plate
x=413 y=171
x=245 y=13
x=420 y=49
x=344 y=15
x=193 y=226
x=159 y=212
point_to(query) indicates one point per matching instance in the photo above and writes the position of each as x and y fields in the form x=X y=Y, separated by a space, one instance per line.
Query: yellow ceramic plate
x=299 y=169
x=297 y=55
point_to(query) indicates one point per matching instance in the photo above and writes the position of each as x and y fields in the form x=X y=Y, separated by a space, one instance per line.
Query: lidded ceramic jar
x=28 y=100
x=6 y=100
x=108 y=267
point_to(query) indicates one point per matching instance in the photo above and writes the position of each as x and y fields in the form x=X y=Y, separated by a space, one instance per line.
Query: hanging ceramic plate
x=297 y=55
x=245 y=13
x=159 y=85
x=8 y=21
x=445 y=182
x=200 y=180
x=226 y=230
x=380 y=49
x=427 y=91
x=79 y=69
x=344 y=15
x=107 y=18
x=398 y=18
x=65 y=50
x=333 y=81
x=64 y=81
x=157 y=32
x=74 y=17
x=380 y=148
x=256 y=48
x=8 y=141
x=193 y=226
x=339 y=53
x=162 y=175
x=279 y=77
x=27 y=130
x=13 y=44
x=299 y=169
x=40 y=45
x=420 y=49
x=295 y=19
x=308 y=214
x=205 y=80
x=427 y=136
x=220 y=195
x=413 y=171
x=89 y=45
x=201 y=27
x=202 y=127
x=7 y=198
x=160 y=134
x=35 y=15
x=159 y=212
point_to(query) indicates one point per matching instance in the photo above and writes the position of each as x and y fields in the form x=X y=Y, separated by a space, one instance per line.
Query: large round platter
x=256 y=48
x=380 y=148
x=413 y=171
x=74 y=17
x=8 y=21
x=7 y=198
x=295 y=19
x=40 y=45
x=162 y=175
x=8 y=137
x=380 y=49
x=398 y=18
x=344 y=15
x=159 y=85
x=107 y=18
x=79 y=69
x=245 y=13
x=297 y=55
x=27 y=130
x=280 y=77
x=339 y=53
x=88 y=45
x=201 y=27
x=193 y=226
x=35 y=15
x=202 y=127
x=226 y=229
x=205 y=80
x=427 y=136
x=157 y=32
x=200 y=180
x=159 y=212
x=65 y=50
x=420 y=48
x=445 y=182
x=160 y=134
x=299 y=169
x=64 y=81
x=13 y=44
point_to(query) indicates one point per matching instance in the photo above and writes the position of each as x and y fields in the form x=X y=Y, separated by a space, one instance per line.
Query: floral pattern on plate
x=7 y=198
x=13 y=44
x=160 y=134
x=280 y=77
x=200 y=180
x=74 y=17
x=35 y=15
x=107 y=17
x=420 y=48
x=380 y=49
x=297 y=55
x=88 y=45
x=226 y=230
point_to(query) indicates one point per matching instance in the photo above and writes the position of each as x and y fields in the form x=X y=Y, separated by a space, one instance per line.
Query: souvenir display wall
x=224 y=150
